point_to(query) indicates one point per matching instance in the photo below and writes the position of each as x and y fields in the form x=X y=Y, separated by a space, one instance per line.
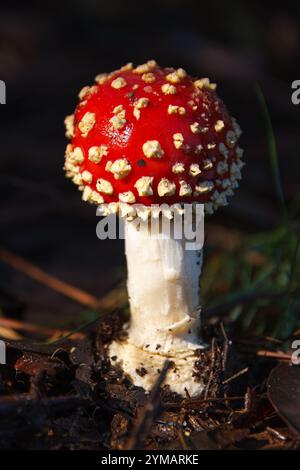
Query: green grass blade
x=272 y=146
x=294 y=264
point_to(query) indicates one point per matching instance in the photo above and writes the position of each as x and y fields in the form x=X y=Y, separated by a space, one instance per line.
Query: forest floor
x=65 y=394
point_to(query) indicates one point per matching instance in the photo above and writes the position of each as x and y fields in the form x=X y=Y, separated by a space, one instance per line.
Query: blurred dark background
x=50 y=50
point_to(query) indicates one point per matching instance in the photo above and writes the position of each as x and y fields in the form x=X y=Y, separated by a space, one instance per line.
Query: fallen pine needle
x=275 y=355
x=9 y=333
x=235 y=376
x=29 y=327
x=48 y=280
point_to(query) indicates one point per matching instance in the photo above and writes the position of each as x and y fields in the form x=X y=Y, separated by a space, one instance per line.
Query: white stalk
x=163 y=288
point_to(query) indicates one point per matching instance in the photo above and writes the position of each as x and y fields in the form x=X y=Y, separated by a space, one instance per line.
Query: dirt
x=69 y=396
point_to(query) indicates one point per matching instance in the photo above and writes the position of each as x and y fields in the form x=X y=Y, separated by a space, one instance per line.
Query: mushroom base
x=143 y=367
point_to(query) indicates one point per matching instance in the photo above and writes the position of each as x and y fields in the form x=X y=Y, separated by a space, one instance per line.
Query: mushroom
x=141 y=138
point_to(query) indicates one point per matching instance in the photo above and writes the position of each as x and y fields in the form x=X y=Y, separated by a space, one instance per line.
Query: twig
x=9 y=333
x=220 y=399
x=30 y=328
x=11 y=404
x=235 y=376
x=148 y=413
x=114 y=298
x=275 y=354
x=48 y=280
x=212 y=367
x=273 y=340
x=275 y=433
x=182 y=439
x=225 y=348
x=195 y=403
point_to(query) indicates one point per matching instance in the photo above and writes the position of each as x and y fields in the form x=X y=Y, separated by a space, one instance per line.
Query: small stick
x=13 y=404
x=30 y=328
x=276 y=433
x=194 y=403
x=148 y=413
x=182 y=439
x=212 y=366
x=235 y=376
x=48 y=280
x=273 y=340
x=226 y=347
x=275 y=355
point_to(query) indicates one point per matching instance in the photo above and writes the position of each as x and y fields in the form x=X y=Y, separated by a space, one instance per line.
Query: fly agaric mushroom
x=152 y=135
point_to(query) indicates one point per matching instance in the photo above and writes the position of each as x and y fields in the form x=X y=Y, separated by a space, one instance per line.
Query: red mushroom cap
x=153 y=135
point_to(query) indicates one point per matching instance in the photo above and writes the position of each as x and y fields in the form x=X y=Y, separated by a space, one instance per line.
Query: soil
x=69 y=396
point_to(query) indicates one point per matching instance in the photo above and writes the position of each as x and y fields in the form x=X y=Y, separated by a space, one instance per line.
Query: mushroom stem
x=163 y=287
